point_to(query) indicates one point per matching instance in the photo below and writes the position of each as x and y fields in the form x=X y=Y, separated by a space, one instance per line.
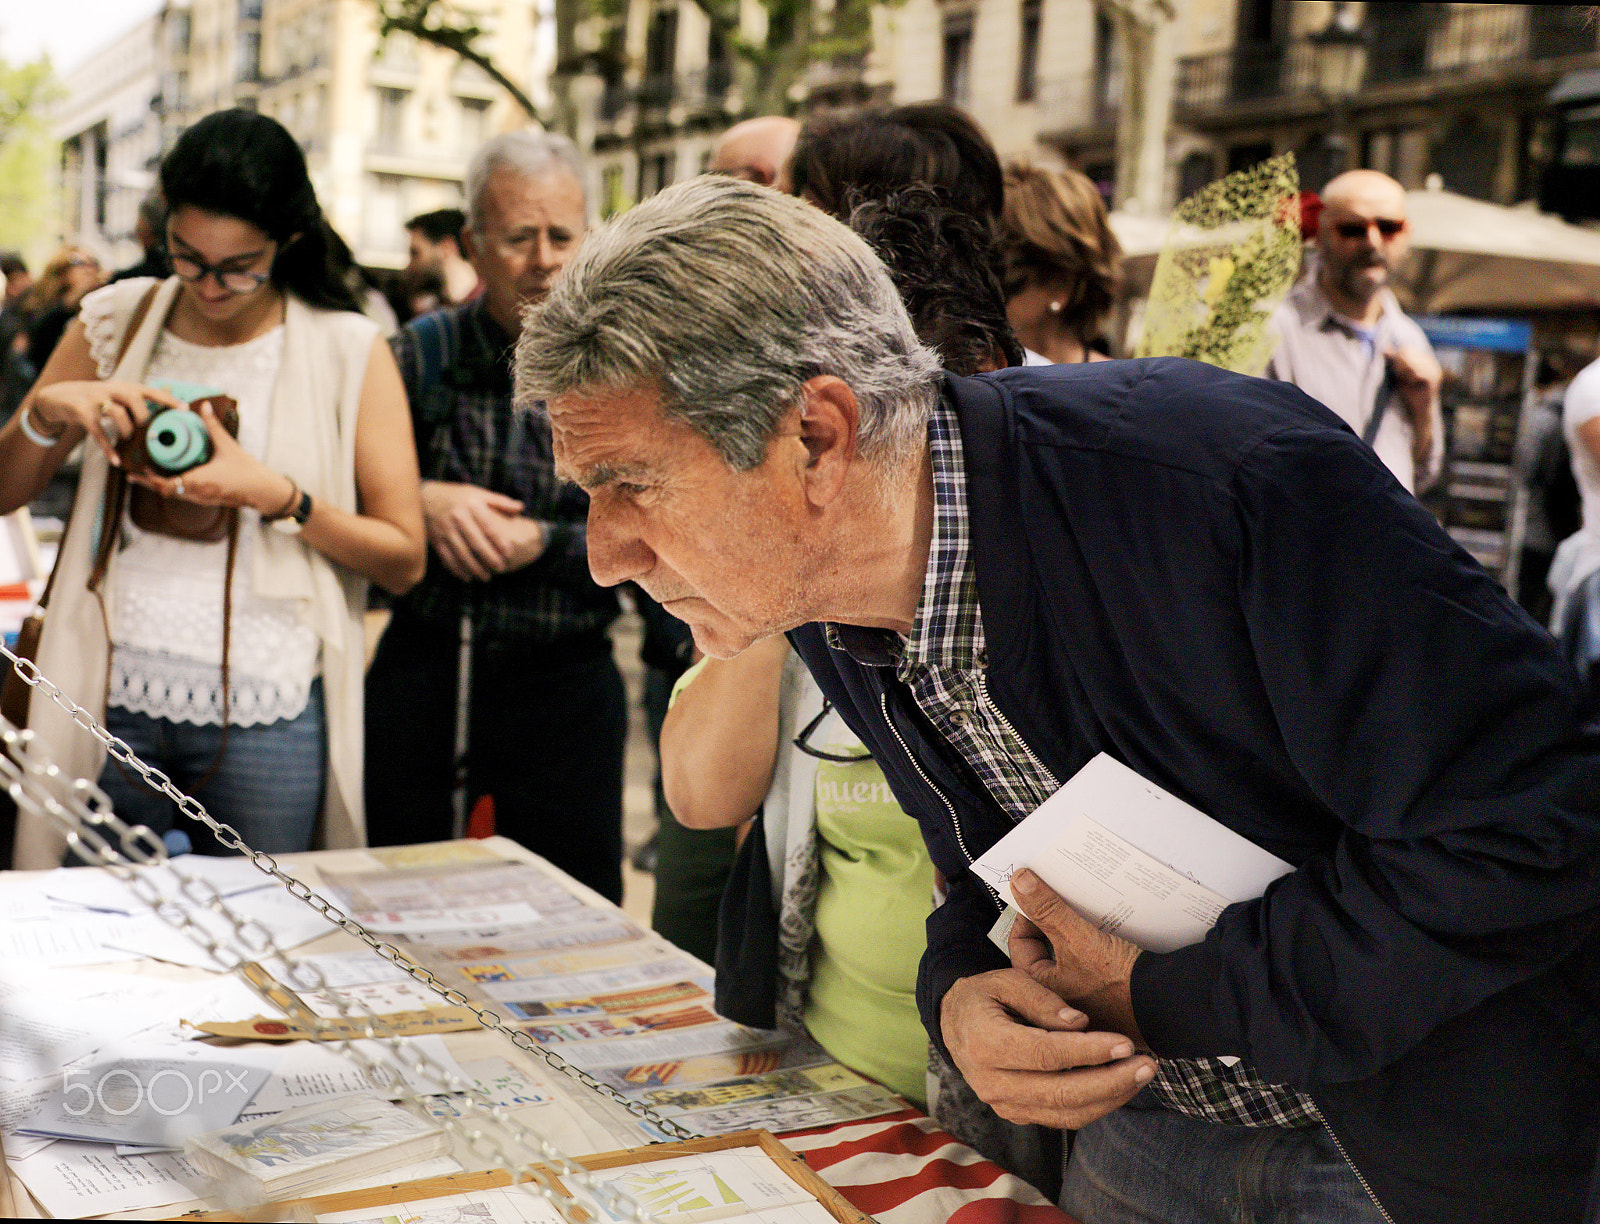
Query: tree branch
x=413 y=17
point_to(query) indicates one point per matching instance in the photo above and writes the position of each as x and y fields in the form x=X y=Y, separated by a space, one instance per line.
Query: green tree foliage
x=26 y=152
x=798 y=33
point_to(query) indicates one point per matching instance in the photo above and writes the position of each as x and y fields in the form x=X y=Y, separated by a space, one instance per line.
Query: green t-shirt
x=874 y=892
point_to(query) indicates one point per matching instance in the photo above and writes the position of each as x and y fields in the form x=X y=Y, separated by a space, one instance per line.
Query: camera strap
x=112 y=509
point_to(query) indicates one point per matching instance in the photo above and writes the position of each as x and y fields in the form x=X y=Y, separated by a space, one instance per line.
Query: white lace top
x=166 y=604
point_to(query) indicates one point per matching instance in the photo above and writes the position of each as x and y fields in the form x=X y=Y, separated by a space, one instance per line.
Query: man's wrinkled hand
x=472 y=529
x=1058 y=948
x=1030 y=1058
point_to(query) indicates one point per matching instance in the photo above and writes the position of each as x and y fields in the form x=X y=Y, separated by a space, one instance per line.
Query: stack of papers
x=1133 y=859
x=87 y=916
x=306 y=1151
x=155 y=1099
x=592 y=988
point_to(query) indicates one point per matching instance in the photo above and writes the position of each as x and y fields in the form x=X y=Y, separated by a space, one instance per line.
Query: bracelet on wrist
x=288 y=507
x=36 y=435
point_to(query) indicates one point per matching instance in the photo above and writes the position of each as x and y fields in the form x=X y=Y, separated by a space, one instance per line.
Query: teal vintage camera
x=172 y=440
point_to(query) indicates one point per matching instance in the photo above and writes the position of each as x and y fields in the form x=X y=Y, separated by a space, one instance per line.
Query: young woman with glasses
x=232 y=664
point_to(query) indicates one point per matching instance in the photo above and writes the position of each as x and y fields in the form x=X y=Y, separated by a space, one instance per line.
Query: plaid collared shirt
x=468 y=431
x=942 y=662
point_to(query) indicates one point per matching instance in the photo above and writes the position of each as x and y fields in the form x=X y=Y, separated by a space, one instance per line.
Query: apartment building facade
x=1460 y=90
x=110 y=137
x=1454 y=89
x=387 y=125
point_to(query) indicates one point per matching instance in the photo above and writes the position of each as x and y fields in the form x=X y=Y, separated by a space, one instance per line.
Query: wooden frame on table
x=836 y=1205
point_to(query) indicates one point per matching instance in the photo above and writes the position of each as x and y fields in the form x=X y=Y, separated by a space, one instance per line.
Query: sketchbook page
x=310 y=1072
x=1134 y=860
x=76 y=1180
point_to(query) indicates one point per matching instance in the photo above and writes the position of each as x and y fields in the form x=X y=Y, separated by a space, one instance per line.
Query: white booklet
x=1132 y=859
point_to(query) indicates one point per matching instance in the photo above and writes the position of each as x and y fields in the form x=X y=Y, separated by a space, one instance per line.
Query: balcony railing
x=707 y=88
x=1408 y=43
x=1084 y=100
x=835 y=77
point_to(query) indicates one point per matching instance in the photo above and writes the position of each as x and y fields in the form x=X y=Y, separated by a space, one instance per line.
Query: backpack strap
x=437 y=338
x=1380 y=404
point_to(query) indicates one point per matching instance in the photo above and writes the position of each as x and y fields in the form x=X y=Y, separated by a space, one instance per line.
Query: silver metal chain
x=82 y=812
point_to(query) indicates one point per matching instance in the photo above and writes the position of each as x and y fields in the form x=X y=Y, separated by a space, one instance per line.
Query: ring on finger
x=108 y=424
x=177 y=489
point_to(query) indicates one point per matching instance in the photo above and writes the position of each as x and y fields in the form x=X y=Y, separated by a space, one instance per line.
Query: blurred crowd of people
x=215 y=620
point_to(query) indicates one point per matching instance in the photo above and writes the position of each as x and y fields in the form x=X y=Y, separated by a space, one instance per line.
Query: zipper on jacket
x=983 y=687
x=1360 y=1177
x=955 y=820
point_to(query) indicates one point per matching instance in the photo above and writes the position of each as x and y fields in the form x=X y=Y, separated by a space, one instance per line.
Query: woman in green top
x=854 y=880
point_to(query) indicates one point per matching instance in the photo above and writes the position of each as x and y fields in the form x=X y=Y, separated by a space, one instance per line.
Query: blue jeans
x=1152 y=1166
x=268 y=784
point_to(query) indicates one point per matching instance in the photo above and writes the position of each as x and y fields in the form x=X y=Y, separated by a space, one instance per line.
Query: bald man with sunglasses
x=1343 y=339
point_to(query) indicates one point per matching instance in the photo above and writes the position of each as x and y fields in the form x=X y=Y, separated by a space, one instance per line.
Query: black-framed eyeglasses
x=1387 y=226
x=801 y=741
x=192 y=271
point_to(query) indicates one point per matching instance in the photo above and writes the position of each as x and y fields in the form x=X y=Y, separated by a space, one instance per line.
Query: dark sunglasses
x=1387 y=226
x=801 y=741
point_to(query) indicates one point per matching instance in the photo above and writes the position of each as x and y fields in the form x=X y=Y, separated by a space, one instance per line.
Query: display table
x=582 y=981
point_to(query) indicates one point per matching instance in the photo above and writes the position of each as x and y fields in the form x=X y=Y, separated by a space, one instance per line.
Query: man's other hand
x=1418 y=377
x=1030 y=1058
x=1054 y=945
x=477 y=533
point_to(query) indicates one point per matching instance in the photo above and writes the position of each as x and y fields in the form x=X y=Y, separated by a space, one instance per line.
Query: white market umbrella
x=1472 y=255
x=1465 y=255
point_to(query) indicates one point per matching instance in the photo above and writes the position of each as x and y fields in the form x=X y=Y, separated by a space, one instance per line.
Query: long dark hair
x=239 y=163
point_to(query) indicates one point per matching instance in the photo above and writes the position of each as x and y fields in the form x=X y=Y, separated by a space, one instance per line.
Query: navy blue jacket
x=1211 y=579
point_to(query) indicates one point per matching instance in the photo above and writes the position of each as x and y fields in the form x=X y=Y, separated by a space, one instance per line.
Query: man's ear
x=829 y=419
x=469 y=248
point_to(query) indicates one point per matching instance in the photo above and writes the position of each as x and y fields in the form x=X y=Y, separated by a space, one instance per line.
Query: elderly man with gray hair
x=995 y=579
x=547 y=716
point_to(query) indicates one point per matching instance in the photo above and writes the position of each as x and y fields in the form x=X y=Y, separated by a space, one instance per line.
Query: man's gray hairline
x=895 y=411
x=526 y=154
x=889 y=457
